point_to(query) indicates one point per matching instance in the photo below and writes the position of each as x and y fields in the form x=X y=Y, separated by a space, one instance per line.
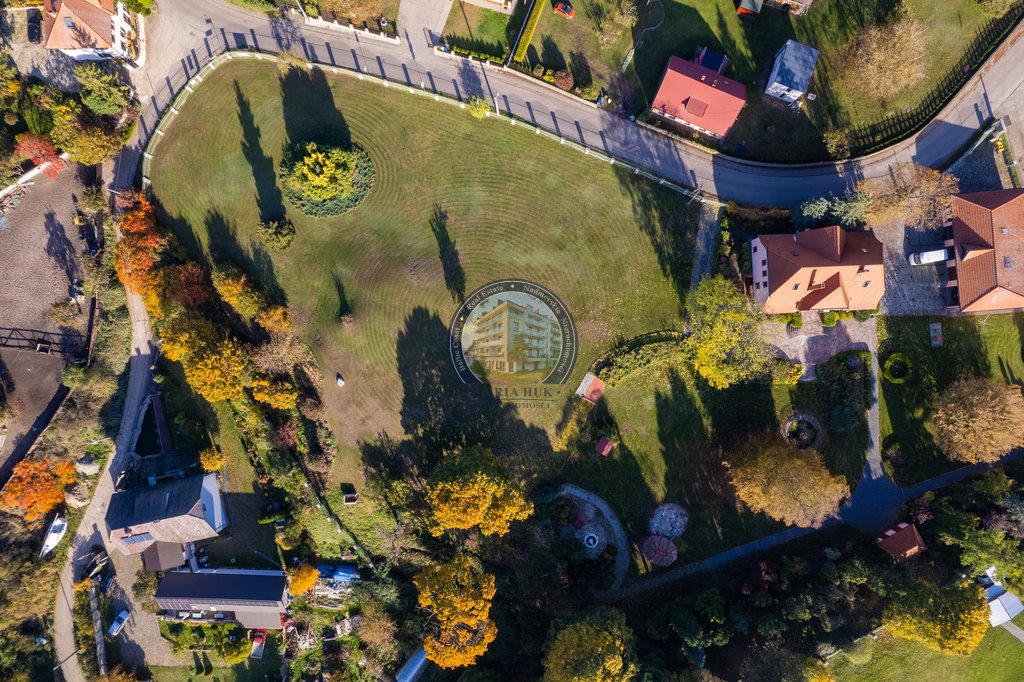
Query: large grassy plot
x=972 y=346
x=456 y=203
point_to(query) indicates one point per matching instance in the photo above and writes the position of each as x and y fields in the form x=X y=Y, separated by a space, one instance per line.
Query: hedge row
x=479 y=55
x=531 y=27
x=625 y=361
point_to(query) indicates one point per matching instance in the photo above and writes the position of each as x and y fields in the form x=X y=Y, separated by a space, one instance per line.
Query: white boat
x=54 y=535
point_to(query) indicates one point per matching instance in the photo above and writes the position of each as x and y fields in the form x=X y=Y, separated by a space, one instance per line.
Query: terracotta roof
x=988 y=239
x=901 y=542
x=825 y=269
x=699 y=96
x=591 y=388
x=76 y=24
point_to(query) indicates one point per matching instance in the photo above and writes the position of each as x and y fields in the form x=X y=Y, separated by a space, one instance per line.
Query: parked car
x=925 y=257
x=35 y=27
x=565 y=9
x=118 y=624
x=106 y=582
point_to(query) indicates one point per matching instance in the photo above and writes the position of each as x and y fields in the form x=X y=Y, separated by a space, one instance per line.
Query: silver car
x=118 y=624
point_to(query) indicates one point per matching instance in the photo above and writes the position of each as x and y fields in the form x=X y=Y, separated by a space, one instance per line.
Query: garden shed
x=792 y=71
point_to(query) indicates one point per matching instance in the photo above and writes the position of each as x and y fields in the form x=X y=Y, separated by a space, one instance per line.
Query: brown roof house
x=251 y=598
x=89 y=29
x=825 y=269
x=901 y=542
x=175 y=513
x=988 y=245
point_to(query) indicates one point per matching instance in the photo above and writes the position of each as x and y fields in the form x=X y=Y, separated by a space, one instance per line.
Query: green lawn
x=477 y=29
x=973 y=346
x=997 y=659
x=246 y=543
x=764 y=131
x=673 y=434
x=576 y=44
x=209 y=666
x=615 y=249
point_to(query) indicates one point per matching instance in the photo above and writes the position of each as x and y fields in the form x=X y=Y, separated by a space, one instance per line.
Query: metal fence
x=187 y=91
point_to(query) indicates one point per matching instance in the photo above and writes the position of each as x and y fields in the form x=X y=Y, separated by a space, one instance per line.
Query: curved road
x=185 y=34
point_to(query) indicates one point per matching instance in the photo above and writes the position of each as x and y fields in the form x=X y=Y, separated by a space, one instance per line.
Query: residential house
x=901 y=542
x=986 y=273
x=694 y=94
x=89 y=29
x=824 y=269
x=179 y=512
x=250 y=598
x=792 y=71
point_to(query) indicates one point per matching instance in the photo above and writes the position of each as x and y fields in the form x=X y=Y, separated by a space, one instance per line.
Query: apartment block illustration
x=514 y=338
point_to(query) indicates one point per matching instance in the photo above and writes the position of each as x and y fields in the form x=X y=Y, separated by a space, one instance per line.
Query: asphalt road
x=185 y=34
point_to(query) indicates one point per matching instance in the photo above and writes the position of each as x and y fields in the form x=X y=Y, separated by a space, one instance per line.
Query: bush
x=829 y=318
x=531 y=27
x=863 y=315
x=794 y=320
x=478 y=107
x=73 y=376
x=896 y=369
x=325 y=181
x=211 y=460
x=484 y=56
x=640 y=354
x=786 y=373
x=277 y=234
x=846 y=379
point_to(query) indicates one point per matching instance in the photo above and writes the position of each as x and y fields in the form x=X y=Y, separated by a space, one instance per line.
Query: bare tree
x=909 y=191
x=884 y=60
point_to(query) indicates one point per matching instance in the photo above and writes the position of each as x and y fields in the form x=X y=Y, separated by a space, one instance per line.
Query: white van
x=925 y=257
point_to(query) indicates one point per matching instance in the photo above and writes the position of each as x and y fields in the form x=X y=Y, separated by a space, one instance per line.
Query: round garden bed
x=802 y=430
x=897 y=368
x=323 y=181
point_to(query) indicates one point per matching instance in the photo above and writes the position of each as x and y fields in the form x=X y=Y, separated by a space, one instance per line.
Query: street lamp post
x=496 y=109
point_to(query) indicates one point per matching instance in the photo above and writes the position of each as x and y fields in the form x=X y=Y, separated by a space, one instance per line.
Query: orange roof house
x=901 y=542
x=88 y=29
x=988 y=245
x=698 y=97
x=825 y=269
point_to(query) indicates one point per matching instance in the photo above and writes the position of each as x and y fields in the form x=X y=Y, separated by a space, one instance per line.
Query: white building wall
x=759 y=270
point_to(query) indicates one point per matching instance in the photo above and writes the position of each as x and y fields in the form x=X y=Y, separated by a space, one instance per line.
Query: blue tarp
x=344 y=573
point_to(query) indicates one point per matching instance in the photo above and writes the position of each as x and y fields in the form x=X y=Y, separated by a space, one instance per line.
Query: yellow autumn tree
x=211 y=459
x=275 y=319
x=459 y=595
x=237 y=291
x=217 y=373
x=185 y=334
x=597 y=647
x=276 y=393
x=952 y=620
x=461 y=645
x=470 y=490
x=303 y=579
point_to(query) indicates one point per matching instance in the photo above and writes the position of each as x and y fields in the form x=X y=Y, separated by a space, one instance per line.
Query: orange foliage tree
x=186 y=284
x=137 y=251
x=36 y=487
x=275 y=319
x=278 y=394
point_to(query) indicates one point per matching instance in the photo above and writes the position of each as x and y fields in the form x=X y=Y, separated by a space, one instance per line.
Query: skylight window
x=1007 y=262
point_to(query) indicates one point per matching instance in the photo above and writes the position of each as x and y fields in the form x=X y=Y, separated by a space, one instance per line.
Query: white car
x=118 y=624
x=925 y=257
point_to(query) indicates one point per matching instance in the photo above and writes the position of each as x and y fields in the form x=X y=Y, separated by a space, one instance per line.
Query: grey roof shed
x=794 y=66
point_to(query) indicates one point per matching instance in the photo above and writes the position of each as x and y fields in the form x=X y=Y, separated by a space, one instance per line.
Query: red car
x=565 y=9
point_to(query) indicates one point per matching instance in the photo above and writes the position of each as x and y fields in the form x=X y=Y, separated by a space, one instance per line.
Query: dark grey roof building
x=178 y=512
x=792 y=72
x=252 y=599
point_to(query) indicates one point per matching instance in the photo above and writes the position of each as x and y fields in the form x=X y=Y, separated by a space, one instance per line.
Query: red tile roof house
x=825 y=269
x=697 y=97
x=988 y=245
x=89 y=29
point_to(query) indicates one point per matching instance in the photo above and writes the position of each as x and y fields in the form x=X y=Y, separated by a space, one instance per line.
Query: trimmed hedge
x=829 y=318
x=479 y=55
x=531 y=28
x=896 y=369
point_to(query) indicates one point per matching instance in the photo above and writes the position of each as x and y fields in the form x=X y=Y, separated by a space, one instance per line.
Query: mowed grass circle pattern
x=615 y=249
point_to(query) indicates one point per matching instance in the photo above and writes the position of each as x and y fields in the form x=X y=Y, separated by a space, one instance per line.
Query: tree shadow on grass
x=310 y=113
x=268 y=195
x=225 y=247
x=670 y=224
x=344 y=305
x=454 y=275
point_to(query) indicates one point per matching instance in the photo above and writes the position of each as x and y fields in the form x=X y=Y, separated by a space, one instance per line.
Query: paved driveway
x=814 y=343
